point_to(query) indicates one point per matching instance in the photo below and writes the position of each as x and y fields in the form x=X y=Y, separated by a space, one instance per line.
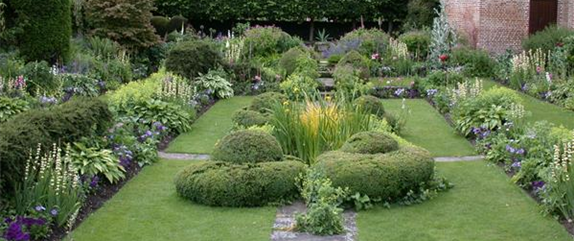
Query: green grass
x=148 y=208
x=397 y=82
x=209 y=128
x=427 y=128
x=484 y=205
x=541 y=110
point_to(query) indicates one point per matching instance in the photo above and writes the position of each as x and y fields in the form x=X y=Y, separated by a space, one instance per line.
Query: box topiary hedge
x=380 y=176
x=370 y=142
x=359 y=63
x=66 y=123
x=193 y=57
x=248 y=118
x=231 y=185
x=370 y=104
x=264 y=103
x=248 y=146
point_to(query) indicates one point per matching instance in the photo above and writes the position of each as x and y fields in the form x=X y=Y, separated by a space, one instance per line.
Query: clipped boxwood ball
x=370 y=142
x=264 y=103
x=370 y=104
x=248 y=118
x=248 y=146
x=244 y=185
x=380 y=176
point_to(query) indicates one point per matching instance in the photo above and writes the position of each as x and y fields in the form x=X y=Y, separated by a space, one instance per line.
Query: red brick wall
x=566 y=13
x=464 y=15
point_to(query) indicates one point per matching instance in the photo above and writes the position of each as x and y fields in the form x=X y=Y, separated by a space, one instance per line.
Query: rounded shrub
x=177 y=23
x=370 y=40
x=547 y=39
x=248 y=118
x=370 y=104
x=161 y=25
x=370 y=142
x=194 y=57
x=379 y=176
x=248 y=146
x=288 y=61
x=417 y=42
x=267 y=41
x=359 y=62
x=477 y=63
x=231 y=185
x=263 y=103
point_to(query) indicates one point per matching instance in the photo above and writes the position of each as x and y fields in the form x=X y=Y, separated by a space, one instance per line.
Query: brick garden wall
x=498 y=25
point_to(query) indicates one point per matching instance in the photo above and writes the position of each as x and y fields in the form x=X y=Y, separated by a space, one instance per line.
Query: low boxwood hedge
x=370 y=142
x=264 y=103
x=371 y=105
x=248 y=146
x=248 y=118
x=384 y=177
x=239 y=185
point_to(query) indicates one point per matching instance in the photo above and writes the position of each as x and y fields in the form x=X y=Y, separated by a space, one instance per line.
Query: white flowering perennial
x=233 y=48
x=530 y=61
x=51 y=181
x=175 y=88
x=398 y=49
x=465 y=90
x=559 y=188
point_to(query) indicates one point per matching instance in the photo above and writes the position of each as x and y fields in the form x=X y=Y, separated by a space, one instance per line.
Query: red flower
x=560 y=44
x=443 y=58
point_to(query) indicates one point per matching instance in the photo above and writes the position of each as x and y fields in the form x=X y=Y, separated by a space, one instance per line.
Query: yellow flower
x=328 y=98
x=295 y=89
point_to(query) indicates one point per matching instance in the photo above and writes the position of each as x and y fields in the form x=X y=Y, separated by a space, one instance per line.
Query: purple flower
x=536 y=185
x=510 y=149
x=432 y=92
x=517 y=164
x=520 y=151
x=40 y=208
x=54 y=212
x=15 y=232
x=399 y=92
x=94 y=182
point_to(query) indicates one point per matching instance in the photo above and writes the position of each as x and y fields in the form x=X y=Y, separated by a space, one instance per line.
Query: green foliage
x=248 y=146
x=214 y=82
x=11 y=107
x=477 y=63
x=249 y=118
x=288 y=61
x=324 y=216
x=370 y=143
x=417 y=42
x=127 y=22
x=90 y=161
x=381 y=177
x=80 y=84
x=194 y=57
x=132 y=93
x=176 y=118
x=370 y=40
x=66 y=123
x=297 y=86
x=39 y=78
x=359 y=63
x=443 y=78
x=267 y=41
x=443 y=35
x=249 y=185
x=489 y=110
x=547 y=38
x=161 y=25
x=46 y=29
x=421 y=13
x=371 y=105
x=264 y=103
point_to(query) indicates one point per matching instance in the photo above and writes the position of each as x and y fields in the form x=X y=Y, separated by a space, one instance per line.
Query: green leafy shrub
x=191 y=58
x=160 y=24
x=370 y=104
x=177 y=23
x=359 y=62
x=247 y=146
x=334 y=59
x=226 y=184
x=417 y=42
x=264 y=103
x=442 y=78
x=136 y=92
x=248 y=118
x=127 y=22
x=46 y=29
x=80 y=84
x=370 y=143
x=93 y=162
x=477 y=63
x=370 y=40
x=267 y=41
x=324 y=215
x=288 y=61
x=39 y=78
x=11 y=107
x=384 y=177
x=173 y=116
x=66 y=123
x=546 y=39
x=214 y=82
x=298 y=86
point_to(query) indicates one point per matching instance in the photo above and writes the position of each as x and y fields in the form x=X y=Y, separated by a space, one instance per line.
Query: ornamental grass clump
x=307 y=130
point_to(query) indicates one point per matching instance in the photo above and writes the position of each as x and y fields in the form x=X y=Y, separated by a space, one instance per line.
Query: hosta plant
x=91 y=162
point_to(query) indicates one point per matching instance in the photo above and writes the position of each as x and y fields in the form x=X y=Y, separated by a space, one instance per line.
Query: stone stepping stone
x=184 y=157
x=285 y=221
x=459 y=159
x=327 y=82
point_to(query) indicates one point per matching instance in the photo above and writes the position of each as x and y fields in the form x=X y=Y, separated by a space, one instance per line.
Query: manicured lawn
x=427 y=128
x=484 y=205
x=148 y=208
x=542 y=110
x=209 y=128
x=400 y=81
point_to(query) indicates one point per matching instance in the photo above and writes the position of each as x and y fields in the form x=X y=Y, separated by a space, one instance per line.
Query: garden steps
x=285 y=221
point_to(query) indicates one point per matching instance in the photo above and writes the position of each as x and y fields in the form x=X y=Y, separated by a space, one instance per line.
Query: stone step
x=327 y=82
x=325 y=74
